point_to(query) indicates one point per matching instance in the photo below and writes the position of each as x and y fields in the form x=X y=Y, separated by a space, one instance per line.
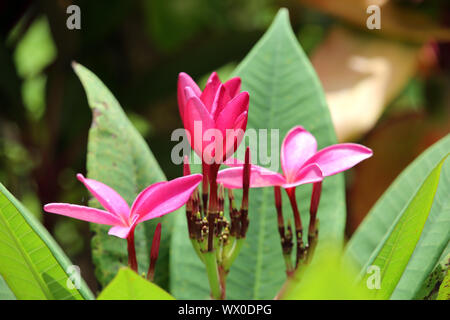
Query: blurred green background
x=398 y=108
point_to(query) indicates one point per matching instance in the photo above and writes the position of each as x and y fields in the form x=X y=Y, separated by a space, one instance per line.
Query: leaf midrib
x=262 y=227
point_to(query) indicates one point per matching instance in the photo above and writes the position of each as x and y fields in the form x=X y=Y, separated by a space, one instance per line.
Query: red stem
x=154 y=252
x=246 y=179
x=205 y=187
x=298 y=224
x=213 y=208
x=315 y=199
x=223 y=282
x=278 y=206
x=293 y=201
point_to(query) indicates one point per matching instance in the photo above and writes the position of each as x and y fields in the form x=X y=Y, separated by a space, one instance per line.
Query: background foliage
x=390 y=87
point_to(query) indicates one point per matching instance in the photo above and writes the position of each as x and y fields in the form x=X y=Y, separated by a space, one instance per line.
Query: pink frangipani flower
x=155 y=201
x=220 y=107
x=300 y=161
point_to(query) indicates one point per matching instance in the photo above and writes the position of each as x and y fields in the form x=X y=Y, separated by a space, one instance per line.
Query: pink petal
x=164 y=197
x=108 y=197
x=241 y=121
x=233 y=86
x=83 y=213
x=122 y=231
x=298 y=146
x=198 y=110
x=340 y=157
x=259 y=177
x=197 y=115
x=234 y=136
x=208 y=95
x=308 y=174
x=220 y=101
x=228 y=116
x=184 y=80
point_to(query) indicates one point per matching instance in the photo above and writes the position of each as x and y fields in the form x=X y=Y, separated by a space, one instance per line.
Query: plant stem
x=289 y=267
x=315 y=199
x=223 y=282
x=154 y=252
x=132 y=261
x=213 y=209
x=313 y=221
x=213 y=274
x=205 y=187
x=298 y=226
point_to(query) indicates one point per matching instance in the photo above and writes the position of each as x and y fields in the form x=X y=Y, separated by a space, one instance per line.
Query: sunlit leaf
x=31 y=263
x=395 y=251
x=378 y=223
x=128 y=285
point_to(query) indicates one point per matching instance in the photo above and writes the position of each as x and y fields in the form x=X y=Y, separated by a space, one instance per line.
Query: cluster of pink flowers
x=301 y=164
x=222 y=107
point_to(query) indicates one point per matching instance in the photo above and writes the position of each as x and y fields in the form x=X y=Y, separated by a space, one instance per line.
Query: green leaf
x=31 y=263
x=5 y=291
x=435 y=236
x=38 y=39
x=444 y=289
x=128 y=285
x=329 y=278
x=394 y=253
x=119 y=157
x=284 y=92
x=430 y=286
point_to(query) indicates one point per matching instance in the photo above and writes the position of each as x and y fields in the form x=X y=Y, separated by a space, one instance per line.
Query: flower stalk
x=212 y=272
x=301 y=250
x=154 y=252
x=313 y=231
x=132 y=261
x=285 y=237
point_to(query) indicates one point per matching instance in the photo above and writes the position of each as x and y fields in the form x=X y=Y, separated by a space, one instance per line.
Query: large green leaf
x=31 y=263
x=128 y=285
x=284 y=92
x=393 y=254
x=378 y=223
x=119 y=157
